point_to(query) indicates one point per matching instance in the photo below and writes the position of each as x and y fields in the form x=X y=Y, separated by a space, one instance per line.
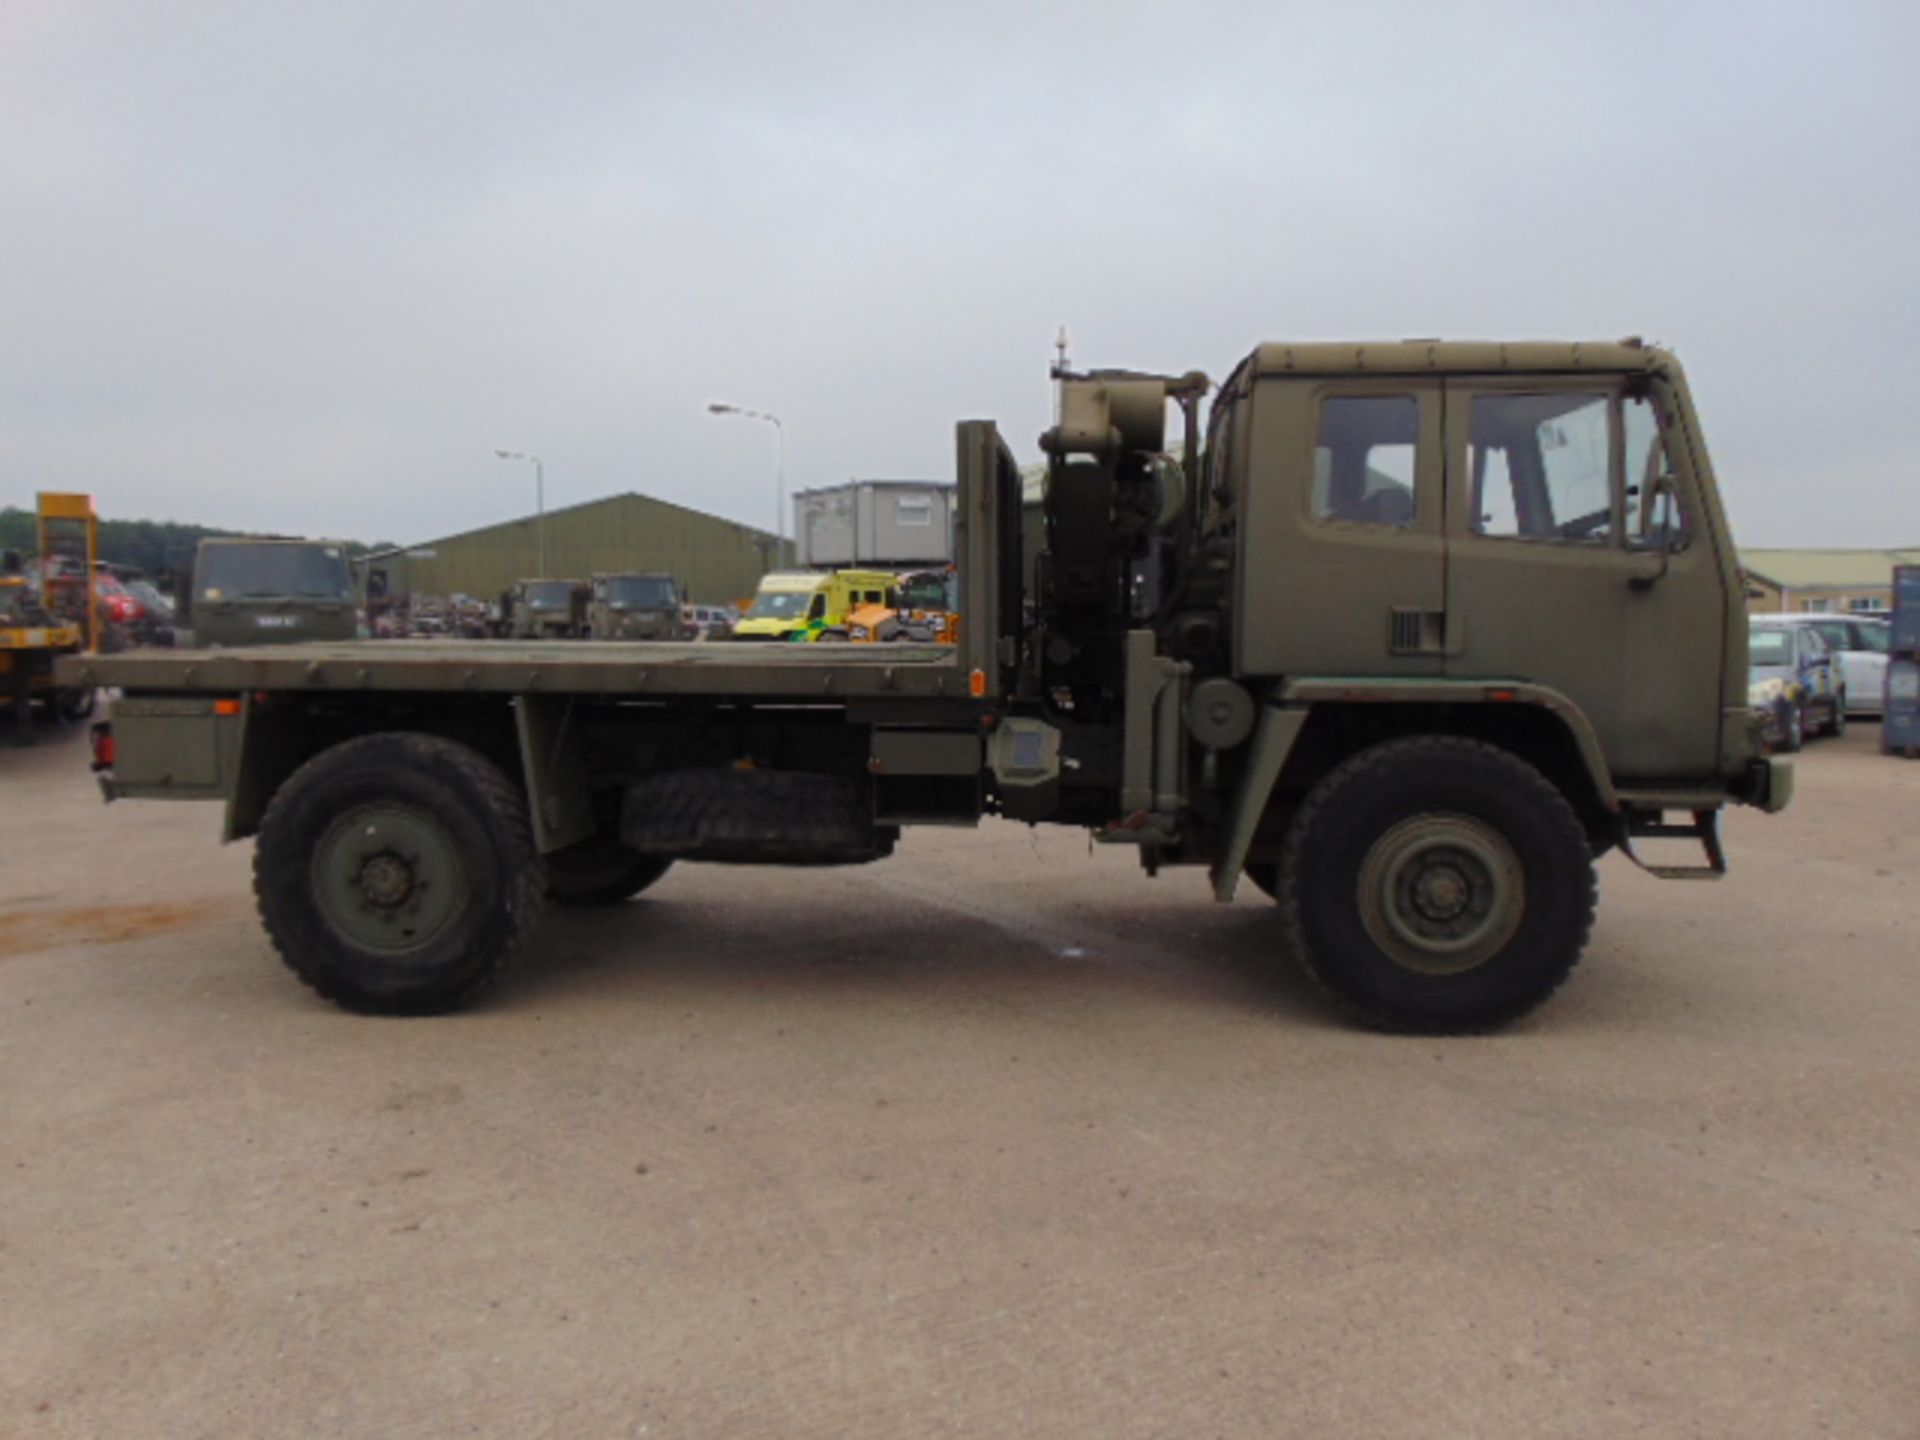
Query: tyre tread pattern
x=522 y=903
x=1327 y=793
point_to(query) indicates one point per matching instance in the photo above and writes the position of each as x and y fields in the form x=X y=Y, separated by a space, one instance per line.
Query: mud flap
x=554 y=760
x=1280 y=726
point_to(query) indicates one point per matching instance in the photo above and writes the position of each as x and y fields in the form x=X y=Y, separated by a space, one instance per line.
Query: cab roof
x=1402 y=357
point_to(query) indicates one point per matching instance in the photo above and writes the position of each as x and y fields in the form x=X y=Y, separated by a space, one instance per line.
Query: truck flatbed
x=554 y=667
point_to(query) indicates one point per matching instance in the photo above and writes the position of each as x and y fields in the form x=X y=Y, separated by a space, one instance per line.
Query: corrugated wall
x=715 y=560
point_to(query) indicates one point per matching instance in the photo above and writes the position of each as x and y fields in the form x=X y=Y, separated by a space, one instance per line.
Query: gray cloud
x=305 y=267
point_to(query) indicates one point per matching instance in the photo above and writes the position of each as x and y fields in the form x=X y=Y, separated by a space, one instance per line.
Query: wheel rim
x=1441 y=894
x=389 y=879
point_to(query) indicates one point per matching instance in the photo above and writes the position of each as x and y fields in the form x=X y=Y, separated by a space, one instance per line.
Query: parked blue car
x=1794 y=681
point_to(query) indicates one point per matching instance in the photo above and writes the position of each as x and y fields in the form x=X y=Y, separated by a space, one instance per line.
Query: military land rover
x=634 y=606
x=545 y=610
x=1406 y=633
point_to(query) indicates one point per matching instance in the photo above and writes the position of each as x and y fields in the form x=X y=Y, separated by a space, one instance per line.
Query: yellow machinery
x=54 y=613
x=919 y=607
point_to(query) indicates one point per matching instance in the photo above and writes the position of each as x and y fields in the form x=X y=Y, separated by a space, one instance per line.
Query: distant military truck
x=634 y=606
x=546 y=610
x=270 y=592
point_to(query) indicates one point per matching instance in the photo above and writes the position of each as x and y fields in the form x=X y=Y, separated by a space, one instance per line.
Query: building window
x=1863 y=602
x=914 y=512
x=1816 y=607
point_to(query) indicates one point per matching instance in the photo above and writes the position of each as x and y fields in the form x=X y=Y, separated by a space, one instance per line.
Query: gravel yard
x=993 y=1138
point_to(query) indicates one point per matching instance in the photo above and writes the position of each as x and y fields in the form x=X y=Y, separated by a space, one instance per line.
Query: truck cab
x=271 y=592
x=546 y=610
x=634 y=606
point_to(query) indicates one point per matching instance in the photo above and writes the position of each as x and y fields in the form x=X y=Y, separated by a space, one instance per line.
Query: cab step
x=1654 y=825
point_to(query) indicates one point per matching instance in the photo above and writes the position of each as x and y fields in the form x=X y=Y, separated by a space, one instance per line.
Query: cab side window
x=1542 y=467
x=1363 y=463
x=1655 y=518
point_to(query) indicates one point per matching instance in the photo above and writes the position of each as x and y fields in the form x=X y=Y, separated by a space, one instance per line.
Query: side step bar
x=1653 y=825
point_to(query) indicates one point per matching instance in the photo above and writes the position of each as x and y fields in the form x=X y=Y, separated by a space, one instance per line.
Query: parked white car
x=1860 y=643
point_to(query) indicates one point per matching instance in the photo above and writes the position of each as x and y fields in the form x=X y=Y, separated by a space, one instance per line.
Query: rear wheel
x=396 y=874
x=1437 y=884
x=601 y=872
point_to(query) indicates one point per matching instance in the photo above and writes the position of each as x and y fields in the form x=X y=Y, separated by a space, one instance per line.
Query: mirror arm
x=1643 y=583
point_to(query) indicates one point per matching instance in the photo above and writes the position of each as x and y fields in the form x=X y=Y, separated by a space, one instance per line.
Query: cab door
x=1570 y=562
x=1343 y=540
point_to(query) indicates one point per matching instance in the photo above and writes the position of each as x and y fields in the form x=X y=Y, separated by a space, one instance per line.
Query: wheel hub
x=1441 y=894
x=388 y=878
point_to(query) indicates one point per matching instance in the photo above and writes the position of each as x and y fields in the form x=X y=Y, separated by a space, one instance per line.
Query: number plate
x=275 y=622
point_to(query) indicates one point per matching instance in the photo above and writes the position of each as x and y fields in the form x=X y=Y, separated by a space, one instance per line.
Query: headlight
x=1766 y=692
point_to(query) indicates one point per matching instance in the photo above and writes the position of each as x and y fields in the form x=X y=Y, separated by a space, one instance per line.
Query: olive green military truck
x=634 y=607
x=1420 y=631
x=269 y=592
x=545 y=610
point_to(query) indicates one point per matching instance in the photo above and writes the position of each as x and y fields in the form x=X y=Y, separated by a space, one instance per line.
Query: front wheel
x=1437 y=884
x=396 y=873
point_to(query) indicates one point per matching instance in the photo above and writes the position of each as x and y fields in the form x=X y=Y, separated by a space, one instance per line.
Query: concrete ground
x=995 y=1138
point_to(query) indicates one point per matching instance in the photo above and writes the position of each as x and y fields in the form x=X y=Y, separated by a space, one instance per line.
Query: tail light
x=102 y=734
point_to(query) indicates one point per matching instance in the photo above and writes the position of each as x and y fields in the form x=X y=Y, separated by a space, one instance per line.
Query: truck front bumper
x=1768 y=784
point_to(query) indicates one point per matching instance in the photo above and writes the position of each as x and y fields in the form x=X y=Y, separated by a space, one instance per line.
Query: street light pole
x=779 y=474
x=539 y=500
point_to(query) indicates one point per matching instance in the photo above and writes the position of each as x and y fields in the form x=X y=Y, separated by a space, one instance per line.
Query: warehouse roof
x=624 y=497
x=1834 y=569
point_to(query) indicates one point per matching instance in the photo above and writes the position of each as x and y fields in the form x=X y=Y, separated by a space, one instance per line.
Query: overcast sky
x=303 y=267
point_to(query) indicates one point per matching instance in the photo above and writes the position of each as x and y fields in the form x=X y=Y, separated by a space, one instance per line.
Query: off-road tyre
x=601 y=872
x=75 y=705
x=465 y=807
x=1492 y=800
x=754 y=817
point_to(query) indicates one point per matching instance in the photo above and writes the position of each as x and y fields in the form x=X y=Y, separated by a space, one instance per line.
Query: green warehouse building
x=716 y=561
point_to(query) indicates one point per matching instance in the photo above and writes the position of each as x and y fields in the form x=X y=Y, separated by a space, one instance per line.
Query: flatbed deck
x=554 y=667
